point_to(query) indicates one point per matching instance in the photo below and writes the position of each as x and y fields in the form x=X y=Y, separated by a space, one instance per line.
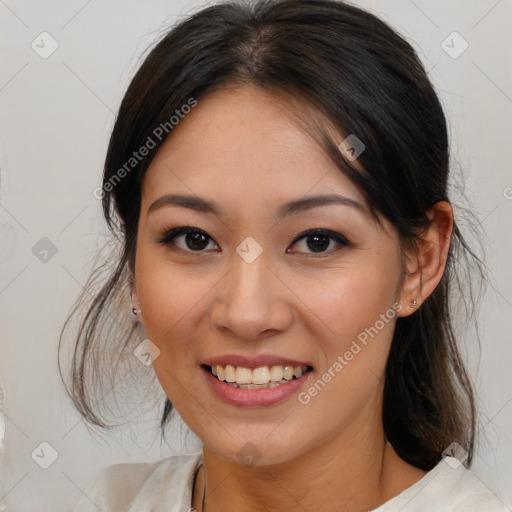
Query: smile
x=263 y=377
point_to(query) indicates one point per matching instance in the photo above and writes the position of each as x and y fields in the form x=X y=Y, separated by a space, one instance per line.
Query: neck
x=344 y=475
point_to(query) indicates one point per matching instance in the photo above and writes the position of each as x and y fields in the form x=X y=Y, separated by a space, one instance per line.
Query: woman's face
x=249 y=288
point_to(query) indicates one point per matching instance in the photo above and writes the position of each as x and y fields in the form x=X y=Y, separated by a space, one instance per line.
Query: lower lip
x=254 y=397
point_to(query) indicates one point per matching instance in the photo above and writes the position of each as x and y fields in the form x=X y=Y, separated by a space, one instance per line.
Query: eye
x=192 y=239
x=188 y=238
x=319 y=240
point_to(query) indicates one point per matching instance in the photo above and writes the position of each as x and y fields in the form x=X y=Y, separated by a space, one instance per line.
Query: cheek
x=343 y=302
x=353 y=363
x=355 y=318
x=171 y=298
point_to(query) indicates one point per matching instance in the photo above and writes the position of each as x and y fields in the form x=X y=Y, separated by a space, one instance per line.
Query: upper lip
x=253 y=362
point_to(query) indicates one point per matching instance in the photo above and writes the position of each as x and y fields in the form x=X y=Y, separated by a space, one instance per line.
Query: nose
x=251 y=301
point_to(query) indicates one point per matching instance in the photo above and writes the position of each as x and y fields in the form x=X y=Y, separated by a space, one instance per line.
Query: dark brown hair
x=362 y=78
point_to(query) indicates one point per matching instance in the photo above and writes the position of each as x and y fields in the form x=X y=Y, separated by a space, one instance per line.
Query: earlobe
x=135 y=302
x=425 y=266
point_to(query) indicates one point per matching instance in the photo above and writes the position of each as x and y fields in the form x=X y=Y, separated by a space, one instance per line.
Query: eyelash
x=170 y=236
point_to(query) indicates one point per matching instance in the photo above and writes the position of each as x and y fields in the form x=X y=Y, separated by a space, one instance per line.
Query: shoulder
x=469 y=492
x=141 y=486
x=448 y=487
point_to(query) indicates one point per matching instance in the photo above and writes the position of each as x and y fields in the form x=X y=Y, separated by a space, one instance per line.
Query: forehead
x=245 y=145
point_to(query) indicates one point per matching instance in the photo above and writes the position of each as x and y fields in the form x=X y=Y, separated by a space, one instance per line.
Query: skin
x=240 y=149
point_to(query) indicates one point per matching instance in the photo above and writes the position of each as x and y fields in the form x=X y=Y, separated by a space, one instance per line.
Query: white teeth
x=261 y=377
x=297 y=371
x=256 y=386
x=276 y=373
x=229 y=373
x=243 y=375
x=288 y=373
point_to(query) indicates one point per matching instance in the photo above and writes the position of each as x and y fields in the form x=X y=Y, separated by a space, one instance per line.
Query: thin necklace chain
x=204 y=492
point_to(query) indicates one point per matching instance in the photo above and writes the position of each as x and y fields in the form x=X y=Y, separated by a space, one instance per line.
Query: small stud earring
x=413 y=303
x=135 y=311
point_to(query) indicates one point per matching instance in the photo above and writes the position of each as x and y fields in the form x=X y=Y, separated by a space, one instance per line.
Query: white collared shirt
x=166 y=485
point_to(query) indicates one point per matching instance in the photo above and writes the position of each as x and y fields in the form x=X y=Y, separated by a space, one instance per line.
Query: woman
x=278 y=177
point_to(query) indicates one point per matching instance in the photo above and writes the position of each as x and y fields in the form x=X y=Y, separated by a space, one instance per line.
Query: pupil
x=196 y=241
x=321 y=242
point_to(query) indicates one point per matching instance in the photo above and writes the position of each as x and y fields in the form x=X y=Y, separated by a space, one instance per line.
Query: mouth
x=262 y=377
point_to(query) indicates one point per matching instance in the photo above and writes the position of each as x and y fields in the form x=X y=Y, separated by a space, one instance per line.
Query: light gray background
x=56 y=117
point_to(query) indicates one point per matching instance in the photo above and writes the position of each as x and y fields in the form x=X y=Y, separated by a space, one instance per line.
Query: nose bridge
x=249 y=273
x=250 y=302
x=249 y=280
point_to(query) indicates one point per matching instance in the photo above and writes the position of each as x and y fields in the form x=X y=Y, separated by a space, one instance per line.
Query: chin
x=254 y=451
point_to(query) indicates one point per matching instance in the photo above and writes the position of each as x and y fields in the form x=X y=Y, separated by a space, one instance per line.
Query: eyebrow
x=201 y=205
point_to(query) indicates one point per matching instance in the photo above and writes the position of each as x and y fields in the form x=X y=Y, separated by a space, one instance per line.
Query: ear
x=424 y=267
x=136 y=303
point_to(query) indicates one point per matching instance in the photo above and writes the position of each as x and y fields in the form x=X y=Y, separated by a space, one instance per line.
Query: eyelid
x=171 y=234
x=341 y=240
x=322 y=231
